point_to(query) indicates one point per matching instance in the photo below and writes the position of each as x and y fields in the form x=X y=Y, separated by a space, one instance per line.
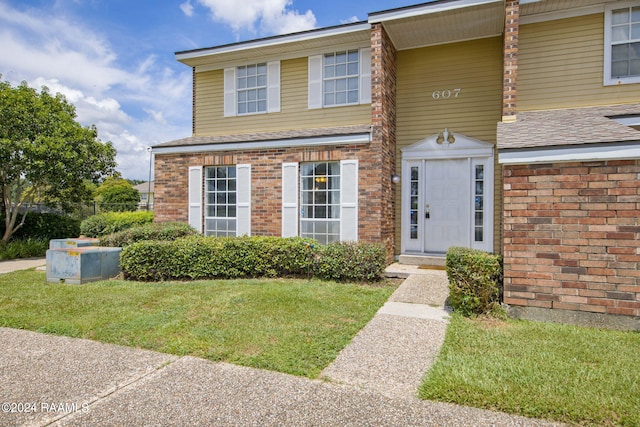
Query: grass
x=292 y=326
x=566 y=373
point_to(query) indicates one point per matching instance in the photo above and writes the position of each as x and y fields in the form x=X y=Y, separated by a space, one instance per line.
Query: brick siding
x=572 y=236
x=266 y=183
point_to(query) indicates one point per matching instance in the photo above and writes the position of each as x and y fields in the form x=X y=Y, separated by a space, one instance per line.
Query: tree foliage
x=44 y=150
x=117 y=195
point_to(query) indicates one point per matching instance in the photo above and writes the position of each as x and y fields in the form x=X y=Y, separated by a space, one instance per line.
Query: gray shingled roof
x=572 y=126
x=268 y=136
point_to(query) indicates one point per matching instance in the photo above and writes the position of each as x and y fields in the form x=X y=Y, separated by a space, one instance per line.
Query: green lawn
x=291 y=326
x=567 y=373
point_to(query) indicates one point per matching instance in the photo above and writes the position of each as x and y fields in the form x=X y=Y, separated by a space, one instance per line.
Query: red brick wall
x=171 y=184
x=572 y=236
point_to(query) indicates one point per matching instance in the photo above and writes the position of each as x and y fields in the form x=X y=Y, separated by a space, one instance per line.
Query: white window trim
x=231 y=91
x=316 y=80
x=608 y=80
x=349 y=202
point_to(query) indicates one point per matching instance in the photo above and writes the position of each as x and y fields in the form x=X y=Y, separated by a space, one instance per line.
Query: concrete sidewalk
x=21 y=264
x=50 y=380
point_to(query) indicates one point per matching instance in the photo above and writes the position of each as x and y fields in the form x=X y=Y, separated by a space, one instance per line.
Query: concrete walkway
x=21 y=264
x=50 y=380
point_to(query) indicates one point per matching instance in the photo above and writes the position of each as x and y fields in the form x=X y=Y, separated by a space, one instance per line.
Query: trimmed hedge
x=153 y=231
x=198 y=257
x=45 y=226
x=350 y=261
x=475 y=281
x=112 y=222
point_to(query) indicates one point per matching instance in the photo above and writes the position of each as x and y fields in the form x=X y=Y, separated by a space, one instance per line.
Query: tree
x=44 y=150
x=117 y=194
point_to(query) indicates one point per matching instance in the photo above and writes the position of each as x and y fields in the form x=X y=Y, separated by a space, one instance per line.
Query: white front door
x=447 y=204
x=447 y=194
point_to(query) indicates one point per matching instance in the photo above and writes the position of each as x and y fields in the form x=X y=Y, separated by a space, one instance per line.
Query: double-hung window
x=622 y=43
x=252 y=89
x=320 y=201
x=340 y=78
x=220 y=201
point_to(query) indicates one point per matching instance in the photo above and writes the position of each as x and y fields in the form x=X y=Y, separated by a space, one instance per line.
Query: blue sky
x=114 y=59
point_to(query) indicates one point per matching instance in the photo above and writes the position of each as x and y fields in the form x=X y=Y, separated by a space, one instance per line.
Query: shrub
x=24 y=248
x=475 y=281
x=153 y=231
x=45 y=226
x=111 y=222
x=198 y=257
x=350 y=261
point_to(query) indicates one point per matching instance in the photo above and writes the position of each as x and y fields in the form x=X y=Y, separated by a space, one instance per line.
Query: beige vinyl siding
x=294 y=113
x=561 y=65
x=475 y=67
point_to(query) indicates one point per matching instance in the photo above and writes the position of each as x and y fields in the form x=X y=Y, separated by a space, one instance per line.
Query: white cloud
x=350 y=20
x=133 y=105
x=269 y=16
x=187 y=8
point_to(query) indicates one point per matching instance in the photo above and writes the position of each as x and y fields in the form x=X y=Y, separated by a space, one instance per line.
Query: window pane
x=329 y=72
x=620 y=52
x=635 y=31
x=329 y=59
x=352 y=68
x=341 y=70
x=242 y=108
x=620 y=16
x=619 y=69
x=242 y=83
x=341 y=98
x=352 y=83
x=620 y=33
x=352 y=97
x=231 y=197
x=262 y=68
x=341 y=57
x=262 y=106
x=242 y=71
x=262 y=80
x=329 y=86
x=353 y=56
x=328 y=99
x=320 y=169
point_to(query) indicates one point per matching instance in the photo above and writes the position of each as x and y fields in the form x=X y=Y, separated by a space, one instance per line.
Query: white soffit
x=442 y=22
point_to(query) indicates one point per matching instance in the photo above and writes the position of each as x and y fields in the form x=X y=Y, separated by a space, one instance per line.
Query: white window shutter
x=365 y=76
x=229 y=92
x=349 y=200
x=195 y=197
x=243 y=200
x=315 y=81
x=273 y=87
x=289 y=199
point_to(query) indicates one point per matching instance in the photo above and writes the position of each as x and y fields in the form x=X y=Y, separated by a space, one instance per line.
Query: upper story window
x=622 y=43
x=340 y=78
x=252 y=89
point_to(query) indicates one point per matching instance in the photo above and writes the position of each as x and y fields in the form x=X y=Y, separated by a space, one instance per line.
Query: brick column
x=510 y=60
x=383 y=144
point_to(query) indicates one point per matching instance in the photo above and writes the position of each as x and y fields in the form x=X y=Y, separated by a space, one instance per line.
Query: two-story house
x=481 y=123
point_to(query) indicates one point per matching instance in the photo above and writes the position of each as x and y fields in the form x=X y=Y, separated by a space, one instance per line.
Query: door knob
x=427 y=212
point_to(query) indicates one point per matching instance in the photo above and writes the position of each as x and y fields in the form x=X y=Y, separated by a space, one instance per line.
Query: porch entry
x=447 y=195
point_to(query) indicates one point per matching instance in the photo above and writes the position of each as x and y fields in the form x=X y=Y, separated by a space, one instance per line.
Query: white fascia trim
x=260 y=145
x=583 y=153
x=426 y=9
x=561 y=14
x=257 y=44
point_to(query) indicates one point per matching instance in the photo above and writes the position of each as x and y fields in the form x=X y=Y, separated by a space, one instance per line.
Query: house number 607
x=446 y=93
